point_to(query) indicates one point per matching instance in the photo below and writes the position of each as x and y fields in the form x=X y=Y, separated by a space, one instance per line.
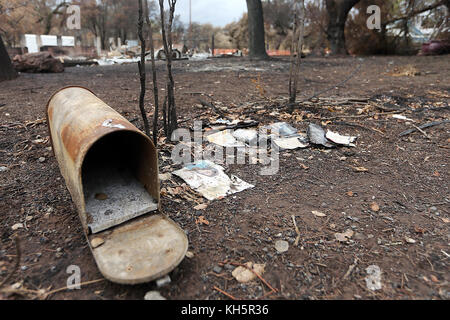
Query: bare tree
x=170 y=112
x=297 y=45
x=337 y=11
x=256 y=33
x=7 y=71
x=155 y=83
x=141 y=65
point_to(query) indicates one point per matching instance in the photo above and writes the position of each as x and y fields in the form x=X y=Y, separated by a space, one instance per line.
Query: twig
x=225 y=293
x=350 y=268
x=296 y=231
x=363 y=115
x=424 y=126
x=212 y=106
x=142 y=76
x=16 y=266
x=423 y=132
x=257 y=274
x=335 y=86
x=66 y=288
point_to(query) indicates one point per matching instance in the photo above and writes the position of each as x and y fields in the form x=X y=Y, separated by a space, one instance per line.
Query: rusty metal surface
x=140 y=251
x=77 y=119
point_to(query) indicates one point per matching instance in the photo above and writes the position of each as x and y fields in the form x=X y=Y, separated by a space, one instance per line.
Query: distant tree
x=256 y=33
x=7 y=71
x=337 y=11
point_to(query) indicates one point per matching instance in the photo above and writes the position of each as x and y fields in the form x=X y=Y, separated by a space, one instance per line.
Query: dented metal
x=79 y=123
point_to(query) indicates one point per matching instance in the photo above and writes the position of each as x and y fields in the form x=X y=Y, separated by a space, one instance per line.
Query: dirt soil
x=391 y=191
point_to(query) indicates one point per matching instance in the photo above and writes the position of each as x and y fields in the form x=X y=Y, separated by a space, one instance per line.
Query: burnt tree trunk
x=337 y=11
x=7 y=71
x=256 y=33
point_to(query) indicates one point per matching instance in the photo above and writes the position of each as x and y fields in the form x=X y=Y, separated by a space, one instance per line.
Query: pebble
x=153 y=295
x=228 y=267
x=281 y=246
x=163 y=281
x=23 y=268
x=41 y=159
x=217 y=269
x=3 y=169
x=189 y=254
x=17 y=226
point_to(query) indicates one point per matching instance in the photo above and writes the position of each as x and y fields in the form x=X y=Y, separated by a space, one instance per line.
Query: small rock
x=3 y=169
x=433 y=208
x=217 y=269
x=41 y=159
x=228 y=267
x=24 y=268
x=410 y=240
x=281 y=246
x=189 y=254
x=163 y=281
x=17 y=226
x=97 y=242
x=153 y=295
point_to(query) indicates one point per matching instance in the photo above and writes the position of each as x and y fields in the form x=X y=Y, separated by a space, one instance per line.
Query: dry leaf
x=434 y=278
x=436 y=174
x=304 y=166
x=201 y=220
x=343 y=237
x=201 y=206
x=374 y=207
x=350 y=194
x=445 y=220
x=360 y=169
x=318 y=214
x=419 y=230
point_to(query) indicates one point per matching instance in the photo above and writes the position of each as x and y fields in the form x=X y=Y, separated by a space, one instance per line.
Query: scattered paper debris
x=316 y=135
x=290 y=143
x=282 y=129
x=225 y=138
x=248 y=136
x=209 y=179
x=340 y=139
x=401 y=117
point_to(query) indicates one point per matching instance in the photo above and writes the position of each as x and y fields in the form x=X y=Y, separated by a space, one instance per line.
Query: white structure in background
x=33 y=42
x=67 y=41
x=49 y=41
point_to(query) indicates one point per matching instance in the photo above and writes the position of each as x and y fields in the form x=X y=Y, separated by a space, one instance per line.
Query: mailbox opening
x=118 y=179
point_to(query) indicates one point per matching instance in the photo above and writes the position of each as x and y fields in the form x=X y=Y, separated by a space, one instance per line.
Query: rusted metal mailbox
x=111 y=171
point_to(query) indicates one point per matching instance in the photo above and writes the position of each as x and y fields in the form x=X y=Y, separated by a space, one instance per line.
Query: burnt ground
x=407 y=177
